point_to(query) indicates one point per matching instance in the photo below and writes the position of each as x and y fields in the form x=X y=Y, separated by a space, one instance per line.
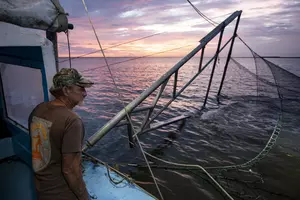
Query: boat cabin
x=27 y=65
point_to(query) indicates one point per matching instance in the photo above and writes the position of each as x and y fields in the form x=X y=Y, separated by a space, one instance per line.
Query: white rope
x=148 y=165
x=129 y=119
x=202 y=15
x=197 y=166
x=271 y=142
x=268 y=146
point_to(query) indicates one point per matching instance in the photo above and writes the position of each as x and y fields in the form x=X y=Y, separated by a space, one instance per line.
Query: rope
x=271 y=142
x=143 y=152
x=129 y=119
x=52 y=23
x=69 y=48
x=127 y=177
x=202 y=15
x=58 y=14
x=264 y=152
x=110 y=178
x=116 y=45
x=136 y=58
x=197 y=166
x=56 y=6
x=127 y=42
x=244 y=43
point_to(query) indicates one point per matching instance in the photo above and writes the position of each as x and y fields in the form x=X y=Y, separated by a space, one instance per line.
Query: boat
x=29 y=56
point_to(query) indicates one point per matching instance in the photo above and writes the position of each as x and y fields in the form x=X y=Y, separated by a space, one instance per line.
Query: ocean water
x=226 y=133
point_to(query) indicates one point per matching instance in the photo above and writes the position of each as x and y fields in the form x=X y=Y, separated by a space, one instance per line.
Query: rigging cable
x=69 y=48
x=276 y=131
x=128 y=42
x=139 y=143
x=115 y=45
x=271 y=142
x=115 y=63
x=197 y=166
x=209 y=20
x=129 y=119
x=250 y=163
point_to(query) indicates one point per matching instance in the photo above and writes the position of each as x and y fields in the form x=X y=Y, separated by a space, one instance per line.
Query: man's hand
x=72 y=171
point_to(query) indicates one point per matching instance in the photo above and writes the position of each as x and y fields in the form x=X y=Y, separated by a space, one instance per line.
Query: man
x=56 y=139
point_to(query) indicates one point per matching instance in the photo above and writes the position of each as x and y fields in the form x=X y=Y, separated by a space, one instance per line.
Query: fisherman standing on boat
x=56 y=140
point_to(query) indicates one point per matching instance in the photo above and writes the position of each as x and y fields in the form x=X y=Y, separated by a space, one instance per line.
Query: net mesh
x=260 y=80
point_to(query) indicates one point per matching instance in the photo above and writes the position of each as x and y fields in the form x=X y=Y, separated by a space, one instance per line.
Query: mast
x=52 y=36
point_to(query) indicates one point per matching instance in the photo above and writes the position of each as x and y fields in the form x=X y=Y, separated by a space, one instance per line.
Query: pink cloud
x=180 y=27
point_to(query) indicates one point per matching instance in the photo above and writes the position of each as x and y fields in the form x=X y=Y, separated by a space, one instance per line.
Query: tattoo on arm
x=72 y=172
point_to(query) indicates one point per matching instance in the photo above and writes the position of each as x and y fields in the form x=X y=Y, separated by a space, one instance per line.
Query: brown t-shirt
x=54 y=130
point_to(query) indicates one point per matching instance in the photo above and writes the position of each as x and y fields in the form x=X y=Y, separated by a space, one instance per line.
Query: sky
x=269 y=27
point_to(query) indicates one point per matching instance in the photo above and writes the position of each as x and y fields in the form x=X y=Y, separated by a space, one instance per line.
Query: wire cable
x=69 y=48
x=136 y=58
x=129 y=119
x=130 y=41
x=115 y=45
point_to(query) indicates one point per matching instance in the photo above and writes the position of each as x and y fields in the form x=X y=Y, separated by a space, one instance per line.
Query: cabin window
x=23 y=90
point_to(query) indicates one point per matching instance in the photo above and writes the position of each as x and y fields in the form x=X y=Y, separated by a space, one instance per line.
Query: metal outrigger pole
x=229 y=56
x=147 y=125
x=214 y=66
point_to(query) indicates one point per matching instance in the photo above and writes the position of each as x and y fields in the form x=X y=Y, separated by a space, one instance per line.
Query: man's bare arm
x=73 y=175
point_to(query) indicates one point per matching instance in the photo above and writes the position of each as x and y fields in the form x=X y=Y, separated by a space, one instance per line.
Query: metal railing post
x=229 y=56
x=129 y=132
x=161 y=82
x=175 y=84
x=201 y=58
x=214 y=66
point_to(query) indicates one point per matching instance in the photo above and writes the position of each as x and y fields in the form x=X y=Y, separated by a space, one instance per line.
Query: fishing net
x=244 y=143
x=261 y=83
x=267 y=80
x=249 y=130
x=231 y=140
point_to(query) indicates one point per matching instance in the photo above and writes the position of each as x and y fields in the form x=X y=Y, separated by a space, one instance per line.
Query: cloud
x=131 y=13
x=265 y=24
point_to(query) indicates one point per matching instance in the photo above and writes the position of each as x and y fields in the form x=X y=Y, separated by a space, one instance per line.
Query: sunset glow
x=270 y=27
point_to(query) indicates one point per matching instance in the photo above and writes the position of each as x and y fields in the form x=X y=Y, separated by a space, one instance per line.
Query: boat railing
x=121 y=118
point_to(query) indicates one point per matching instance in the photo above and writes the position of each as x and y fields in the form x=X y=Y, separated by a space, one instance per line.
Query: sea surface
x=231 y=131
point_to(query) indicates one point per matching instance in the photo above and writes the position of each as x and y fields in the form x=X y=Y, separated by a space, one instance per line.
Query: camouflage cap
x=69 y=76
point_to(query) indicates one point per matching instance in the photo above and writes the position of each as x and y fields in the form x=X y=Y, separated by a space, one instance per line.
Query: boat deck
x=111 y=185
x=17 y=179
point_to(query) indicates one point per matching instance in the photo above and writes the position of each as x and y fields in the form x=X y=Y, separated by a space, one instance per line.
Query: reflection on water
x=229 y=133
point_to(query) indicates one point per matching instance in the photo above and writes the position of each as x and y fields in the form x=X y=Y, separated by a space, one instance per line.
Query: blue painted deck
x=100 y=186
x=16 y=174
x=17 y=179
